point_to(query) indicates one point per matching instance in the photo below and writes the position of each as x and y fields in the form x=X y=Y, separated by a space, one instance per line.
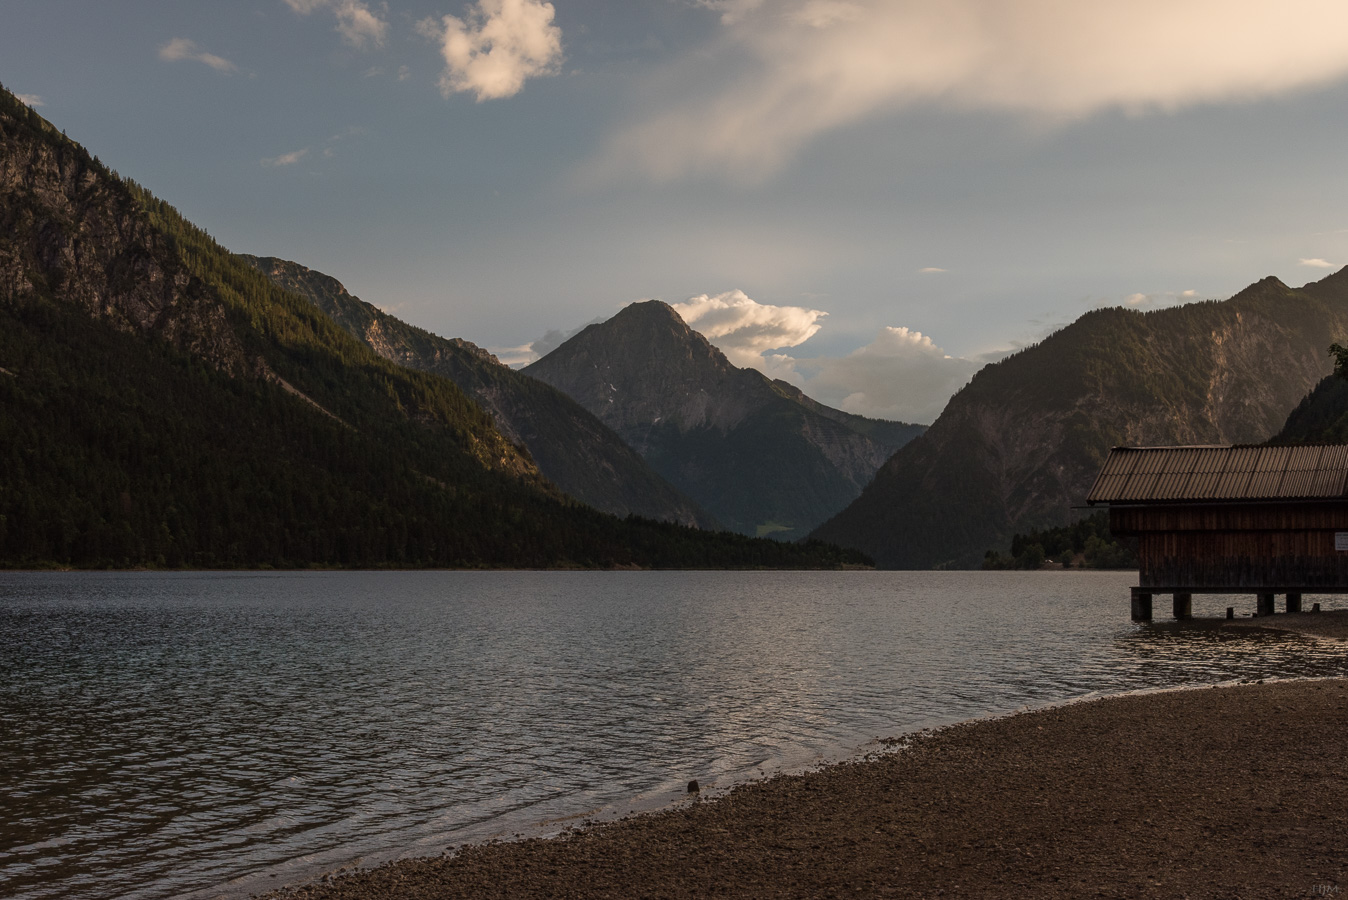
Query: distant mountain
x=164 y=404
x=1019 y=447
x=758 y=454
x=575 y=450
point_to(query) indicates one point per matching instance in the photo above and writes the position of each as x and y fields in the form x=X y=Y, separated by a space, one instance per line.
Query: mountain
x=1321 y=417
x=758 y=454
x=1020 y=445
x=575 y=450
x=164 y=404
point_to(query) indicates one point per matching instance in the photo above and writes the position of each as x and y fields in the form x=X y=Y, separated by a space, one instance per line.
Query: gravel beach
x=1230 y=792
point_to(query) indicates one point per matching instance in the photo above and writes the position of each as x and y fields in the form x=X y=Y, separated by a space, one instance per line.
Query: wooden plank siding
x=1215 y=547
x=1133 y=521
x=1237 y=519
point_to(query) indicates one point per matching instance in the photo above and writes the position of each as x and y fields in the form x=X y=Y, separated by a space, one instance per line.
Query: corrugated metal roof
x=1143 y=474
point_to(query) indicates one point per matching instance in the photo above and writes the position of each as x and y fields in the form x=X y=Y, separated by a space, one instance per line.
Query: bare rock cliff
x=76 y=233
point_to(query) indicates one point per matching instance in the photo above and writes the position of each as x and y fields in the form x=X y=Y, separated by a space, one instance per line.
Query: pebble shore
x=1228 y=792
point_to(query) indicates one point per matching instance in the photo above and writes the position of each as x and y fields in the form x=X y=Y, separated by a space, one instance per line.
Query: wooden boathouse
x=1230 y=520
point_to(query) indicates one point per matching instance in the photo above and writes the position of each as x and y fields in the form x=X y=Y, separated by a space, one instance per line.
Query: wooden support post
x=1141 y=605
x=1293 y=602
x=1184 y=606
x=1263 y=604
x=1230 y=612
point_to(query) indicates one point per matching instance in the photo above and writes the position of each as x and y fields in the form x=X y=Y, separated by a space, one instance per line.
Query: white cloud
x=180 y=49
x=498 y=46
x=901 y=375
x=358 y=25
x=931 y=270
x=1318 y=264
x=286 y=159
x=783 y=72
x=744 y=329
x=515 y=357
x=31 y=100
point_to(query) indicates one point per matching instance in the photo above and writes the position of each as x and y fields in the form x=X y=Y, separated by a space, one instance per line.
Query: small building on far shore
x=1230 y=520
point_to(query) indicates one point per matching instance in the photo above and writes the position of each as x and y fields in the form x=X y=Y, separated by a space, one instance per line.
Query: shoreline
x=1327 y=625
x=1218 y=791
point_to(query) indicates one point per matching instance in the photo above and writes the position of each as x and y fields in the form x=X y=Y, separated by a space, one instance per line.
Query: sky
x=868 y=198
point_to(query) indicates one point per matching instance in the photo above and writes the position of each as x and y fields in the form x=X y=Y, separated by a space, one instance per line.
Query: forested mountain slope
x=1321 y=417
x=163 y=403
x=575 y=450
x=1020 y=445
x=756 y=453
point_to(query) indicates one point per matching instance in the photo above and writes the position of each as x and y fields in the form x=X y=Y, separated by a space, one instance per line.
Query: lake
x=216 y=734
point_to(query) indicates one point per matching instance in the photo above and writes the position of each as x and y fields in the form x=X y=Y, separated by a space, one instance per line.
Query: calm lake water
x=218 y=734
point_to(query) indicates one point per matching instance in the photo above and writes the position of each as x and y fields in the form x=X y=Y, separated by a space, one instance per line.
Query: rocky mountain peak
x=645 y=366
x=761 y=456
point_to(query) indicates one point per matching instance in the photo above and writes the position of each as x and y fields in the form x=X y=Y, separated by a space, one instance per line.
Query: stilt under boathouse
x=1230 y=520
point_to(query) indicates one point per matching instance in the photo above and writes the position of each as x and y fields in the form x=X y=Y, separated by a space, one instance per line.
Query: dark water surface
x=204 y=734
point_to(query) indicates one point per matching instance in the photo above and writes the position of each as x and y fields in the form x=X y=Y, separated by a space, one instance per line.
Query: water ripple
x=171 y=734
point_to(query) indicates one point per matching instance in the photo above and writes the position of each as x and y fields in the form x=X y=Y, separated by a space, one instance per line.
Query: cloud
x=326 y=148
x=497 y=47
x=358 y=25
x=515 y=357
x=180 y=49
x=744 y=329
x=30 y=100
x=1318 y=263
x=931 y=270
x=901 y=375
x=551 y=340
x=782 y=72
x=524 y=354
x=286 y=159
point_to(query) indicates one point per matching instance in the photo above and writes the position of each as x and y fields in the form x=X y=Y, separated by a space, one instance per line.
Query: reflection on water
x=163 y=734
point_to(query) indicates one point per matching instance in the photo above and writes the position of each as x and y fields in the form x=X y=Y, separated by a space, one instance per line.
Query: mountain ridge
x=166 y=405
x=572 y=447
x=758 y=454
x=1019 y=446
